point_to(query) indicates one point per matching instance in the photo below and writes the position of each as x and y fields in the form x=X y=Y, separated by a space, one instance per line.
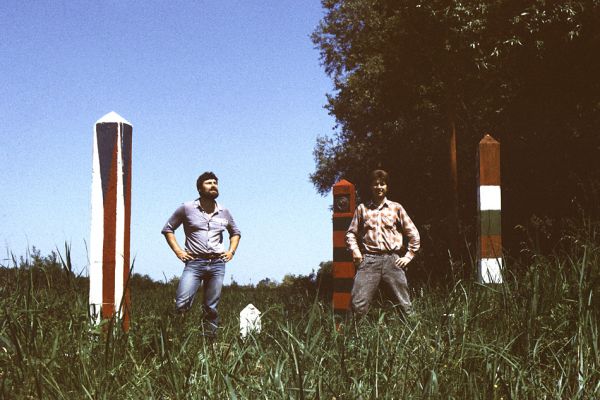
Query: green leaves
x=406 y=72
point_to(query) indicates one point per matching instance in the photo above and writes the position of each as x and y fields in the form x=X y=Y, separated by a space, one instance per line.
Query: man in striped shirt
x=375 y=239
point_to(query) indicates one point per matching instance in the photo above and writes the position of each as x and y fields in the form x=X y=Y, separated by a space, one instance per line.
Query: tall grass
x=533 y=337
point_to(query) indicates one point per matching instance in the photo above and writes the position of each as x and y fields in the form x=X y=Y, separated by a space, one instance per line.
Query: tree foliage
x=405 y=72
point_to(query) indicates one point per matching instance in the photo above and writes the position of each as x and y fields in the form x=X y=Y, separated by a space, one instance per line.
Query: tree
x=405 y=73
x=324 y=279
x=266 y=283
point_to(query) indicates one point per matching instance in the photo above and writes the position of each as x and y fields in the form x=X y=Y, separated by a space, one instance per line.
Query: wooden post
x=111 y=220
x=490 y=262
x=454 y=231
x=344 y=203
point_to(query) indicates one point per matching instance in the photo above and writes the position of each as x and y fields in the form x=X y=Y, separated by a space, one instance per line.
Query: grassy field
x=534 y=337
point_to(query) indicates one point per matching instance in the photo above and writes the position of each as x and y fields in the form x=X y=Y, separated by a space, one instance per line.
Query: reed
x=535 y=336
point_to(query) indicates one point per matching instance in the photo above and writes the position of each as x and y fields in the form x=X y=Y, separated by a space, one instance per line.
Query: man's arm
x=234 y=237
x=414 y=240
x=233 y=244
x=172 y=241
x=168 y=230
x=351 y=237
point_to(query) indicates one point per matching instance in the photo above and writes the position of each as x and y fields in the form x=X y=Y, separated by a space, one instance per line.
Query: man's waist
x=381 y=250
x=202 y=248
x=381 y=253
x=206 y=256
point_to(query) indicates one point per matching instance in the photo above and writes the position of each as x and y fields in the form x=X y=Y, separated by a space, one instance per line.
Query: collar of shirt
x=217 y=206
x=384 y=203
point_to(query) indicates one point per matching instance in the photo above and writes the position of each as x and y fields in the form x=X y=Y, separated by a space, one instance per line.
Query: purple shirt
x=203 y=231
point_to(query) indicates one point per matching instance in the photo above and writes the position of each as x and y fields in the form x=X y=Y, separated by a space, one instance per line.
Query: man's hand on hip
x=227 y=256
x=402 y=262
x=357 y=257
x=184 y=256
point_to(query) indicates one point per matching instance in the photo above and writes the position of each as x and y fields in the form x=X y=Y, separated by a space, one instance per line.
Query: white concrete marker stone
x=249 y=320
x=111 y=219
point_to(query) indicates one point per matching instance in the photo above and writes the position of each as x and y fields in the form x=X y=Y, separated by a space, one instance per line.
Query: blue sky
x=231 y=86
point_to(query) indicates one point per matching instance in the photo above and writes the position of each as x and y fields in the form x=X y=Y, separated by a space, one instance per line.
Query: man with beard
x=375 y=239
x=204 y=221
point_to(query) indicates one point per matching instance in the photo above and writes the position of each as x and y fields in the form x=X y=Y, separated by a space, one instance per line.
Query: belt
x=207 y=256
x=386 y=253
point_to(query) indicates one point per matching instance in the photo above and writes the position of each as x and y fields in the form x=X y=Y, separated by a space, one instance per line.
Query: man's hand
x=184 y=256
x=357 y=257
x=402 y=262
x=227 y=256
x=181 y=254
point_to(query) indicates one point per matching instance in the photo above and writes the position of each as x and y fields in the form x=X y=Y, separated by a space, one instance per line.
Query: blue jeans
x=210 y=274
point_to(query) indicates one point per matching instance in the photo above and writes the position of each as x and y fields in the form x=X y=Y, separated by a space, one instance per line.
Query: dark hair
x=379 y=175
x=204 y=177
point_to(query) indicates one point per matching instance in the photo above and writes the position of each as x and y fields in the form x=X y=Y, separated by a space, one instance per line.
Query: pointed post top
x=343 y=187
x=488 y=139
x=112 y=117
x=343 y=182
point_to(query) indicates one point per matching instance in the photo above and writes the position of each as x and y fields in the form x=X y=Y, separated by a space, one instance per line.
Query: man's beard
x=210 y=195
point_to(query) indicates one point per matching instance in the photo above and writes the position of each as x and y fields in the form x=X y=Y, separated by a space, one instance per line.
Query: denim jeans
x=371 y=271
x=210 y=274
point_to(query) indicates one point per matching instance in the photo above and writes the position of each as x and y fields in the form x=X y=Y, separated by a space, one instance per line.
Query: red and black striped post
x=111 y=220
x=489 y=200
x=344 y=203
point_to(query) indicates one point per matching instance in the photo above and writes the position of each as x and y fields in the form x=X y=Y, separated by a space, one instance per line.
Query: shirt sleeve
x=410 y=230
x=174 y=221
x=232 y=227
x=352 y=232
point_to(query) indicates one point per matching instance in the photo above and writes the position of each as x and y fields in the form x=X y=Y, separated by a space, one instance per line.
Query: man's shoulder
x=395 y=206
x=362 y=206
x=190 y=204
x=187 y=205
x=393 y=203
x=222 y=208
x=371 y=205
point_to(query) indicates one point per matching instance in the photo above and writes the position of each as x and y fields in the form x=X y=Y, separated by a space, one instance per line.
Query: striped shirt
x=379 y=229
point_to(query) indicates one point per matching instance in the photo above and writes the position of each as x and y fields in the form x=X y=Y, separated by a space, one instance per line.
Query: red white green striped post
x=489 y=201
x=344 y=203
x=111 y=220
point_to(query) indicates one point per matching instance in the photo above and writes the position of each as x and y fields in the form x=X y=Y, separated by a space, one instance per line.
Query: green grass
x=534 y=337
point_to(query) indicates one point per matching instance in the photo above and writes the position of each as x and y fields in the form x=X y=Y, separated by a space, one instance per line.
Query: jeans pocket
x=366 y=261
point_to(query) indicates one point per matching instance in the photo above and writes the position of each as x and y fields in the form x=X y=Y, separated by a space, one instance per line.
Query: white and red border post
x=111 y=220
x=490 y=261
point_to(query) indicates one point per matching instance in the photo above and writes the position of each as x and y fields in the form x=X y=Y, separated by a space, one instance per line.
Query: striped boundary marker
x=111 y=220
x=489 y=201
x=344 y=203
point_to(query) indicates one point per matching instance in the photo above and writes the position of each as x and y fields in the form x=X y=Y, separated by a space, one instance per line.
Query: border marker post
x=111 y=220
x=344 y=203
x=489 y=245
x=250 y=321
